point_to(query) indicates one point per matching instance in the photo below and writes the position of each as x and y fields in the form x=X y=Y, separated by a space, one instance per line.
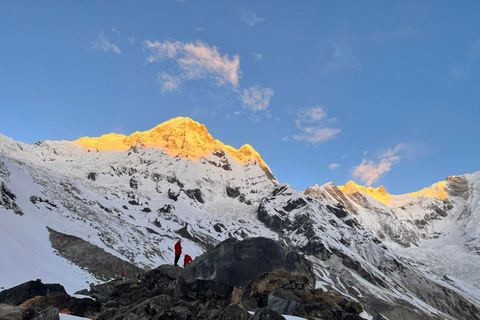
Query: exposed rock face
x=100 y=263
x=25 y=291
x=231 y=262
x=7 y=199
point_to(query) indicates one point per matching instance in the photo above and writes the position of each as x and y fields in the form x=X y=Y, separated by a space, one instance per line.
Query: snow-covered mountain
x=132 y=197
x=438 y=226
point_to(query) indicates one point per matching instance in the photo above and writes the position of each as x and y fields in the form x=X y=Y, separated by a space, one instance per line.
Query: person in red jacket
x=187 y=260
x=178 y=251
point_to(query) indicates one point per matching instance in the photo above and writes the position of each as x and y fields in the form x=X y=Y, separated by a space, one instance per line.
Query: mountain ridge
x=179 y=136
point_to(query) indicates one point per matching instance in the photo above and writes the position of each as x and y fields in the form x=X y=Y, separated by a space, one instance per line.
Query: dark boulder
x=25 y=291
x=9 y=312
x=65 y=303
x=231 y=262
x=233 y=192
x=173 y=195
x=92 y=176
x=212 y=292
x=134 y=183
x=158 y=280
x=168 y=208
x=50 y=313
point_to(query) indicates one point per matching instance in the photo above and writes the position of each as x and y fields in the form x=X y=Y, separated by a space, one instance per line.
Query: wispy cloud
x=333 y=166
x=340 y=57
x=196 y=61
x=168 y=82
x=102 y=43
x=314 y=125
x=250 y=18
x=371 y=171
x=257 y=56
x=256 y=98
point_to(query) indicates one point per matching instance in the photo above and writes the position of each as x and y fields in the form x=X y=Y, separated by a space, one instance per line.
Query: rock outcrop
x=237 y=263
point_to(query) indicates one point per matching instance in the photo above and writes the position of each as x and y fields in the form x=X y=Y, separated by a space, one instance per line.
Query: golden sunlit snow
x=180 y=136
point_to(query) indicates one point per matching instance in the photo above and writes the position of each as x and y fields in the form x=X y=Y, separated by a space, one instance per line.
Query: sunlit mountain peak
x=436 y=190
x=379 y=193
x=180 y=136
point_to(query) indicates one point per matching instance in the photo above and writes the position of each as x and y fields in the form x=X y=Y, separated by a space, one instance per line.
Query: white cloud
x=313 y=124
x=257 y=56
x=102 y=43
x=316 y=134
x=341 y=57
x=370 y=171
x=250 y=18
x=168 y=82
x=199 y=29
x=197 y=61
x=333 y=166
x=238 y=112
x=285 y=138
x=256 y=98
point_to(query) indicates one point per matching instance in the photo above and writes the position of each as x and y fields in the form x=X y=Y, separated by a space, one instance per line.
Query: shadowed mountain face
x=176 y=181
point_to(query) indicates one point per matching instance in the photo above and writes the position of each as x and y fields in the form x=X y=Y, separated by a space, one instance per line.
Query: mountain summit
x=182 y=137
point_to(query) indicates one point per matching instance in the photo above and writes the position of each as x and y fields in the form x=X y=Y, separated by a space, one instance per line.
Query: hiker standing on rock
x=178 y=251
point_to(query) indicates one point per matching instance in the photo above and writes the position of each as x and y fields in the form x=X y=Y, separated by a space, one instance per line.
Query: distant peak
x=379 y=193
x=436 y=190
x=179 y=136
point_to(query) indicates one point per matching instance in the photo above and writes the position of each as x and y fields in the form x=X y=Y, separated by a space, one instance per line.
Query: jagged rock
x=291 y=294
x=233 y=192
x=230 y=262
x=9 y=312
x=50 y=313
x=25 y=291
x=213 y=292
x=195 y=194
x=218 y=227
x=7 y=200
x=168 y=208
x=64 y=303
x=338 y=210
x=294 y=204
x=134 y=183
x=173 y=195
x=134 y=202
x=92 y=176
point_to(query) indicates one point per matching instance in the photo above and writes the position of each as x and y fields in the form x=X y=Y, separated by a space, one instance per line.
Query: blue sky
x=381 y=92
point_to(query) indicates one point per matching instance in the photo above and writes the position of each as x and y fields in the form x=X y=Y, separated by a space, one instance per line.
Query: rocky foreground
x=257 y=275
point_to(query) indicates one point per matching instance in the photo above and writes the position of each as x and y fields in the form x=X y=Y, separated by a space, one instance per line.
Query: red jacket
x=187 y=260
x=178 y=248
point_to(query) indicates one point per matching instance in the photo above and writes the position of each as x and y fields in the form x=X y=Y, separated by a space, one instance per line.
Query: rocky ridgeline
x=257 y=275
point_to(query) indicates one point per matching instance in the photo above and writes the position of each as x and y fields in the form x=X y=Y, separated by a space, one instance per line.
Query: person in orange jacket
x=187 y=260
x=178 y=251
